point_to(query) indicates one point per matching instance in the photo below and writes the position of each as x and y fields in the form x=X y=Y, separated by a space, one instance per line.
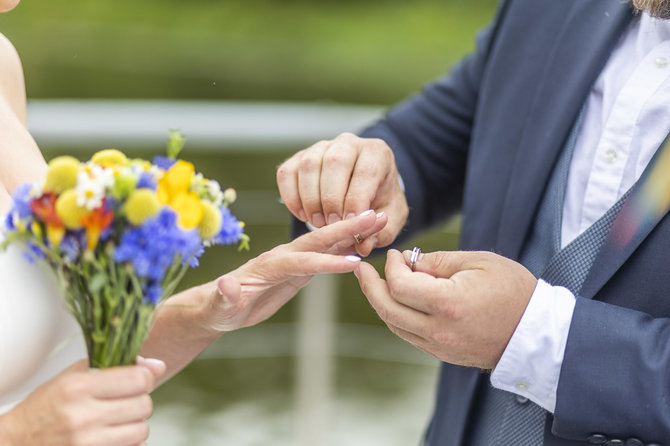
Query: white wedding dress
x=38 y=336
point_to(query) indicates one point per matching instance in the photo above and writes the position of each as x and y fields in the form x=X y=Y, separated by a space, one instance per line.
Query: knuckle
x=346 y=137
x=142 y=431
x=71 y=389
x=146 y=405
x=442 y=338
x=310 y=161
x=140 y=378
x=71 y=420
x=334 y=158
x=283 y=172
x=368 y=170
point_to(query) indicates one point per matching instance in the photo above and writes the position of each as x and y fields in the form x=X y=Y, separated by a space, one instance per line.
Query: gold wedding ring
x=416 y=252
x=358 y=238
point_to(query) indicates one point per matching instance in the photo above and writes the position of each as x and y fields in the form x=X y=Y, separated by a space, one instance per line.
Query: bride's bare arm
x=190 y=321
x=22 y=160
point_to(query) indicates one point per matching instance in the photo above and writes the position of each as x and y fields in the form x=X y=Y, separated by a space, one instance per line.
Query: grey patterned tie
x=502 y=418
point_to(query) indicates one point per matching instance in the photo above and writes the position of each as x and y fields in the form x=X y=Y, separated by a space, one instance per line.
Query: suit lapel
x=589 y=34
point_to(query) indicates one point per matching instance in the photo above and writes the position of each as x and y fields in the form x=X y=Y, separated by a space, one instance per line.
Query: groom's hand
x=334 y=180
x=461 y=307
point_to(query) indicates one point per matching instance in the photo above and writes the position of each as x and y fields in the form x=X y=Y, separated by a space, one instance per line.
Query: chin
x=8 y=5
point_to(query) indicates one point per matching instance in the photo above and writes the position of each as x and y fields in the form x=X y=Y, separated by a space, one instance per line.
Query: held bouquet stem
x=120 y=234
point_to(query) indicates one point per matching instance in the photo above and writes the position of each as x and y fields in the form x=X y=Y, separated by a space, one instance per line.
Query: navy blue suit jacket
x=483 y=141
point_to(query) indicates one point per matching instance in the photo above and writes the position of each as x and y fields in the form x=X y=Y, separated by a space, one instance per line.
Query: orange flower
x=96 y=222
x=45 y=208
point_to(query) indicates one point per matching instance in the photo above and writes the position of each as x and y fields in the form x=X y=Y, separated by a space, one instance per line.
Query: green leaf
x=244 y=243
x=98 y=281
x=175 y=143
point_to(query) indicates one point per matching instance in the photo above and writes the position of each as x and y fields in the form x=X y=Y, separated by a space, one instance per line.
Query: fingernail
x=318 y=219
x=356 y=273
x=368 y=212
x=302 y=215
x=380 y=215
x=354 y=259
x=147 y=361
x=333 y=218
x=350 y=215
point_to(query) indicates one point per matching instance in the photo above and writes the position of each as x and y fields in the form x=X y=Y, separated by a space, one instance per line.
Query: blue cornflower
x=146 y=181
x=20 y=206
x=73 y=244
x=153 y=247
x=33 y=253
x=163 y=162
x=153 y=293
x=231 y=229
x=21 y=201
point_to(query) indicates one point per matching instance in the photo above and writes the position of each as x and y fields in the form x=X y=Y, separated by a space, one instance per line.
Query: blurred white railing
x=208 y=125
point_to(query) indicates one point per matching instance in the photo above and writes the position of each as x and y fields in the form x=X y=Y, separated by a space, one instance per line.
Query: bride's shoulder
x=12 y=85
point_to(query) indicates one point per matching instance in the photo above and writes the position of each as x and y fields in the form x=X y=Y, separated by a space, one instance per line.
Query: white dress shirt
x=626 y=119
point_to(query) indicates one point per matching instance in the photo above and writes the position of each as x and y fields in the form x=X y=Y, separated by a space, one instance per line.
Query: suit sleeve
x=615 y=378
x=429 y=134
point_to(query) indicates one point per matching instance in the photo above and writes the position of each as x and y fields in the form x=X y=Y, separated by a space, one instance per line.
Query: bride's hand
x=257 y=289
x=81 y=406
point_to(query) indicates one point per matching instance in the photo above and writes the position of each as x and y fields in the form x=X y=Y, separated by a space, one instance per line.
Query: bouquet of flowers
x=119 y=234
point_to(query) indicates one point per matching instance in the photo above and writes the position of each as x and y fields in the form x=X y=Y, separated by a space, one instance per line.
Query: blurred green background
x=364 y=52
x=347 y=51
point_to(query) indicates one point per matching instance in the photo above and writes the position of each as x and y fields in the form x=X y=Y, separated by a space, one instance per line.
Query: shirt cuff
x=531 y=364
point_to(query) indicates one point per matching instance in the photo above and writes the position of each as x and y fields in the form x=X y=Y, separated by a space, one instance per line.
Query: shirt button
x=661 y=62
x=611 y=156
x=521 y=399
x=522 y=386
x=615 y=442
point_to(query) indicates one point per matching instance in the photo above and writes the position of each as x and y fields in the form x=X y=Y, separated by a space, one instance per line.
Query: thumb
x=155 y=366
x=440 y=263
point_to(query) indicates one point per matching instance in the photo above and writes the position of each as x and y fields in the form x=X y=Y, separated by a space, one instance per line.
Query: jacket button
x=615 y=442
x=634 y=442
x=521 y=399
x=597 y=439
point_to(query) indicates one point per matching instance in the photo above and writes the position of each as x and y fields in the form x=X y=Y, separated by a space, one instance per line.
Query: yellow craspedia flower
x=211 y=222
x=189 y=209
x=110 y=157
x=141 y=205
x=68 y=211
x=62 y=174
x=177 y=180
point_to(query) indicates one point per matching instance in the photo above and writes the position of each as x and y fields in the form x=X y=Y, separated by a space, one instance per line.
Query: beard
x=659 y=9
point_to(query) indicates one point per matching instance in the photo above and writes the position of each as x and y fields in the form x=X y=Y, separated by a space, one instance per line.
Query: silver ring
x=416 y=252
x=358 y=238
